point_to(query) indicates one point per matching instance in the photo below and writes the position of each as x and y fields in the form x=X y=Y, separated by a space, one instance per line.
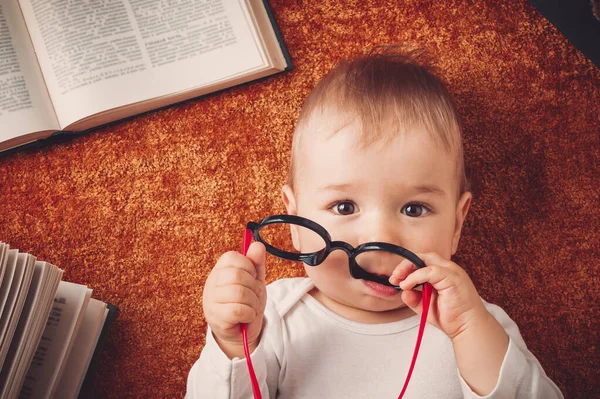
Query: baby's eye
x=344 y=208
x=415 y=210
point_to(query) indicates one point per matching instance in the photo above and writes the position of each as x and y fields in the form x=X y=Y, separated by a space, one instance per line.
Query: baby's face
x=403 y=192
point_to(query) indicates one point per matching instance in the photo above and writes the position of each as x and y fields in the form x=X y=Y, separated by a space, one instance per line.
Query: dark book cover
x=578 y=20
x=87 y=388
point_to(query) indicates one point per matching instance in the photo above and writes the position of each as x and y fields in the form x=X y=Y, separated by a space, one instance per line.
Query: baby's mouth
x=383 y=279
x=380 y=288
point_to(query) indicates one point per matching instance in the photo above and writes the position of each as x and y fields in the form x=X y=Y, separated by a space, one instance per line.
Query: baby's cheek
x=439 y=243
x=331 y=271
x=337 y=261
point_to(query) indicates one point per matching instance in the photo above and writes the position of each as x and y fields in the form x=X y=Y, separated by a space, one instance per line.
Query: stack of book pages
x=51 y=331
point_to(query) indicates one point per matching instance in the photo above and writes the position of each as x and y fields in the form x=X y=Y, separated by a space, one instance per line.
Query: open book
x=51 y=331
x=74 y=65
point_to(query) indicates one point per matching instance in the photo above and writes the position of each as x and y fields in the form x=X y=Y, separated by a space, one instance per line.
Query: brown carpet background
x=140 y=210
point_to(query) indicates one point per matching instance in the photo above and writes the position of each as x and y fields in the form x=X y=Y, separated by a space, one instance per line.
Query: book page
x=25 y=265
x=50 y=289
x=54 y=346
x=19 y=355
x=102 y=55
x=3 y=259
x=83 y=348
x=25 y=105
x=259 y=17
x=9 y=285
x=35 y=322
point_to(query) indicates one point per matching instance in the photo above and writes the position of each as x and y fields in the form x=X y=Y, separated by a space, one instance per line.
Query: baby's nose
x=379 y=228
x=379 y=262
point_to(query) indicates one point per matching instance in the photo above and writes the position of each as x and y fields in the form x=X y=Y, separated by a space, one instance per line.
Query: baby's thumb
x=412 y=299
x=257 y=253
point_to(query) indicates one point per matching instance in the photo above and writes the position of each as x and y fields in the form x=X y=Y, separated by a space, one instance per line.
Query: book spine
x=284 y=50
x=59 y=136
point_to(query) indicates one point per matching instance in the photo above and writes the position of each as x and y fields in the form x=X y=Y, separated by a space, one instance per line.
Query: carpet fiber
x=140 y=210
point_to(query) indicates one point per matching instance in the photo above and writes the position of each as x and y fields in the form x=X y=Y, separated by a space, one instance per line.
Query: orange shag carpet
x=140 y=210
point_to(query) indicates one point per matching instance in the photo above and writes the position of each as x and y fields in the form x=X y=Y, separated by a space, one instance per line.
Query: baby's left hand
x=455 y=304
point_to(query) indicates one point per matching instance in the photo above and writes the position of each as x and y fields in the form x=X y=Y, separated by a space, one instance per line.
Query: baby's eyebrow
x=337 y=187
x=420 y=189
x=430 y=189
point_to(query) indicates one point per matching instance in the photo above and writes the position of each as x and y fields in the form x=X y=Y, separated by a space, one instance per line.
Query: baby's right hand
x=235 y=293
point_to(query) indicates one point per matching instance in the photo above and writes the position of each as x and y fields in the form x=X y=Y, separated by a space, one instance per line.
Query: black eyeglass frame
x=316 y=258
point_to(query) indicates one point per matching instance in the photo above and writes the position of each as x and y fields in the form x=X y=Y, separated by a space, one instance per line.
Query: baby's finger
x=430 y=274
x=235 y=313
x=412 y=299
x=257 y=253
x=237 y=294
x=437 y=269
x=236 y=260
x=236 y=276
x=402 y=271
x=434 y=259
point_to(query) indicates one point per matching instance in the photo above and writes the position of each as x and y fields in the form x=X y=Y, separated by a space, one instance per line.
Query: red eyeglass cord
x=426 y=297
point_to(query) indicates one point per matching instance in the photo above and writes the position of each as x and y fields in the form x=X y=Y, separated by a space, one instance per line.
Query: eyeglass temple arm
x=362 y=274
x=248 y=236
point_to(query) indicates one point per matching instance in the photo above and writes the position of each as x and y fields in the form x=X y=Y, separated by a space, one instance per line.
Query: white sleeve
x=215 y=376
x=521 y=374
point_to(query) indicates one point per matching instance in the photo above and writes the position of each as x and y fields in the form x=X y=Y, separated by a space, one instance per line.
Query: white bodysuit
x=307 y=351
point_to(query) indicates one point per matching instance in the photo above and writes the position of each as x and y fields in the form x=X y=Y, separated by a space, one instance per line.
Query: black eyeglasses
x=281 y=233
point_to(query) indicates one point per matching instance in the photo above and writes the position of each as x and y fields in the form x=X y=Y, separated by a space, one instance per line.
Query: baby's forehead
x=341 y=164
x=325 y=122
x=334 y=123
x=329 y=138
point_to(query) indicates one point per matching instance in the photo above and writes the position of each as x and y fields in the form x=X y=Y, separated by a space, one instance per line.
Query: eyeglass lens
x=379 y=261
x=287 y=237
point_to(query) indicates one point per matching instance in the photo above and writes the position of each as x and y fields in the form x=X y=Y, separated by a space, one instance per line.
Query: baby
x=376 y=157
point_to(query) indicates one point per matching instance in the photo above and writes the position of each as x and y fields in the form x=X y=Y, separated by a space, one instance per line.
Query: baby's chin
x=373 y=303
x=356 y=305
x=378 y=312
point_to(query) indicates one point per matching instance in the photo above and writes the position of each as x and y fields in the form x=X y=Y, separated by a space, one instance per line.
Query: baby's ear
x=462 y=208
x=289 y=200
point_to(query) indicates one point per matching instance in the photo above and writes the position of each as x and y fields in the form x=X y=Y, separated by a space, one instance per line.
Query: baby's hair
x=390 y=90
